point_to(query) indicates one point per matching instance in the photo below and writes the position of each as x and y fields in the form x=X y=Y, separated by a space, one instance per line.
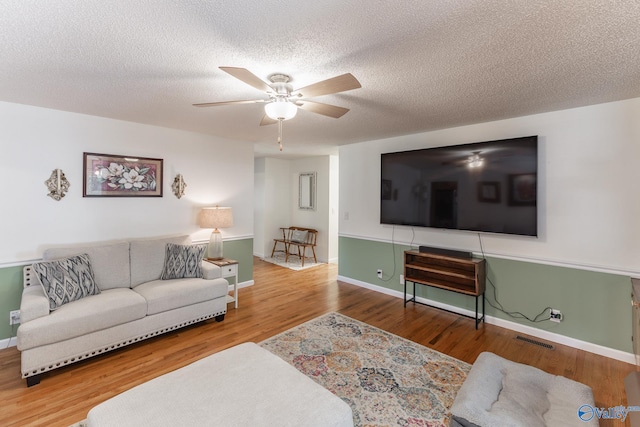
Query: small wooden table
x=229 y=269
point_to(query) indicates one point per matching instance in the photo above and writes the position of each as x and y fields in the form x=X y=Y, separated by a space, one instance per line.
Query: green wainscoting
x=11 y=281
x=10 y=295
x=596 y=306
x=241 y=251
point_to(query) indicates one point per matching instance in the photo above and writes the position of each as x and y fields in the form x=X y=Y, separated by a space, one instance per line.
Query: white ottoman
x=245 y=385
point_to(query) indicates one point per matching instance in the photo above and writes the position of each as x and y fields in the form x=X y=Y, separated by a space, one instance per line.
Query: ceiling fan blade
x=329 y=86
x=266 y=120
x=324 y=109
x=215 y=104
x=248 y=77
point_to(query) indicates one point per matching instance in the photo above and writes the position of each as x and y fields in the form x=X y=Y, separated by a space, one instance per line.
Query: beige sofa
x=133 y=303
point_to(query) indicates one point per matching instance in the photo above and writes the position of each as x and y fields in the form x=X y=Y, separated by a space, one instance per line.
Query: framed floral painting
x=109 y=175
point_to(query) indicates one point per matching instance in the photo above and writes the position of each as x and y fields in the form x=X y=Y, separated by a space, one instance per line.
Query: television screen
x=486 y=186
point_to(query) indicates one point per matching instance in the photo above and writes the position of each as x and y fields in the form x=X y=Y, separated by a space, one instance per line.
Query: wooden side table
x=229 y=269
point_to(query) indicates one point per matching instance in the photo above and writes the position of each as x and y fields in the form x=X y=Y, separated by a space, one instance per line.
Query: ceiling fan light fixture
x=280 y=109
x=475 y=161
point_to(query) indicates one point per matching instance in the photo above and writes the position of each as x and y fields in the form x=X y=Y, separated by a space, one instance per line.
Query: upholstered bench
x=499 y=392
x=245 y=385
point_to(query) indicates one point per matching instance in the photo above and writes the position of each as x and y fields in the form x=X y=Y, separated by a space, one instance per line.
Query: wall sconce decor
x=57 y=185
x=178 y=186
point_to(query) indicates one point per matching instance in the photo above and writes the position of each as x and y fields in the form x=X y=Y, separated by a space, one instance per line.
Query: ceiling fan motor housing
x=280 y=84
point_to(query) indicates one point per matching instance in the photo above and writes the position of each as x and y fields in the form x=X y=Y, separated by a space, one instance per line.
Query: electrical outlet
x=402 y=279
x=555 y=315
x=14 y=317
x=379 y=273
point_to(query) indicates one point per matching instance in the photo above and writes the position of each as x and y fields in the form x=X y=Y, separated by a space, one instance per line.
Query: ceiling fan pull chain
x=280 y=133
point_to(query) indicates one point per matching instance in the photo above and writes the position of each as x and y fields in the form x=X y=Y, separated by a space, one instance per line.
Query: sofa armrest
x=210 y=271
x=34 y=304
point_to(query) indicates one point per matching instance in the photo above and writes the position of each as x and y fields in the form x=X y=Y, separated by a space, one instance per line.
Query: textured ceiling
x=423 y=65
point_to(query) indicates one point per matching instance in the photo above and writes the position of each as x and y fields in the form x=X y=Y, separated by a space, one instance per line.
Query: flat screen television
x=485 y=186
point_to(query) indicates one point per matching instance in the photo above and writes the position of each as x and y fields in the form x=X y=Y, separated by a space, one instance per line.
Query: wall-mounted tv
x=485 y=186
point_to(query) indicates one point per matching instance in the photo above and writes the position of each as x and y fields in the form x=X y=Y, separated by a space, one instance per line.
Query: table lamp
x=215 y=218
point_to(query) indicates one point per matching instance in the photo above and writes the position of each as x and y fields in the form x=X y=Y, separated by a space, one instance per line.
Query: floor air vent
x=538 y=343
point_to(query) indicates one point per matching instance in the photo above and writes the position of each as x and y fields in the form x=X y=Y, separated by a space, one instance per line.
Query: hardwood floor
x=281 y=299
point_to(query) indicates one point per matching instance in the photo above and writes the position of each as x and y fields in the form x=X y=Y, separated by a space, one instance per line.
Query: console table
x=456 y=274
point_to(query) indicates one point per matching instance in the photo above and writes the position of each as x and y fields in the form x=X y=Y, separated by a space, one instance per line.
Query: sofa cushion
x=147 y=257
x=109 y=261
x=165 y=295
x=66 y=279
x=183 y=261
x=110 y=308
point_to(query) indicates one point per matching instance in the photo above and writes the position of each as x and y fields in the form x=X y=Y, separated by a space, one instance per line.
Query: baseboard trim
x=243 y=284
x=507 y=324
x=8 y=342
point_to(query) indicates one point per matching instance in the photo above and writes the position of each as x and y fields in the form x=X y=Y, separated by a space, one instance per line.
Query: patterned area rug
x=387 y=380
x=294 y=262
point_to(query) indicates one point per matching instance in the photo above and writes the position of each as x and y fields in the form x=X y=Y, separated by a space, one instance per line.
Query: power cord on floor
x=499 y=307
x=14 y=331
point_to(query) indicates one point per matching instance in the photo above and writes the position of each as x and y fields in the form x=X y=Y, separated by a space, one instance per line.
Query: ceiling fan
x=283 y=101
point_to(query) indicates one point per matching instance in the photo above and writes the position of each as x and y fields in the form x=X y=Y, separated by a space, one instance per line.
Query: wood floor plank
x=279 y=300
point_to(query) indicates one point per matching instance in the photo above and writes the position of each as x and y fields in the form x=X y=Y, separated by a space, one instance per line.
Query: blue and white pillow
x=66 y=279
x=183 y=261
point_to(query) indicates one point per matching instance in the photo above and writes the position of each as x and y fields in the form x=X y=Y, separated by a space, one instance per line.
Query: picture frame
x=307 y=191
x=523 y=189
x=114 y=175
x=489 y=192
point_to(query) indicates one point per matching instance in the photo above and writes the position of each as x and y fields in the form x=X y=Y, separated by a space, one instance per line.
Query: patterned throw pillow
x=67 y=279
x=182 y=261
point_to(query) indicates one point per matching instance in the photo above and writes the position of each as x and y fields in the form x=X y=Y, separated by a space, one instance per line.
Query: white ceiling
x=423 y=65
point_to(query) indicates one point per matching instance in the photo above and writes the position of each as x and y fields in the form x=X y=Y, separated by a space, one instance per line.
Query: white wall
x=334 y=202
x=35 y=141
x=273 y=205
x=277 y=202
x=318 y=218
x=589 y=204
x=259 y=208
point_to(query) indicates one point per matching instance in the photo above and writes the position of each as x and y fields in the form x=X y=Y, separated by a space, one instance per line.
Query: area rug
x=294 y=262
x=387 y=380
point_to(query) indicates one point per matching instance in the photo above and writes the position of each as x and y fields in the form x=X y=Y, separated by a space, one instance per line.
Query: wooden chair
x=299 y=237
x=283 y=241
x=302 y=238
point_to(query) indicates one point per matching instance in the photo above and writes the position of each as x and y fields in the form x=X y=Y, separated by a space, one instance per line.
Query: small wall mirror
x=307 y=191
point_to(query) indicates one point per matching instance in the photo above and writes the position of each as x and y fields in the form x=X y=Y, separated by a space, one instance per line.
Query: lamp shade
x=216 y=217
x=280 y=109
